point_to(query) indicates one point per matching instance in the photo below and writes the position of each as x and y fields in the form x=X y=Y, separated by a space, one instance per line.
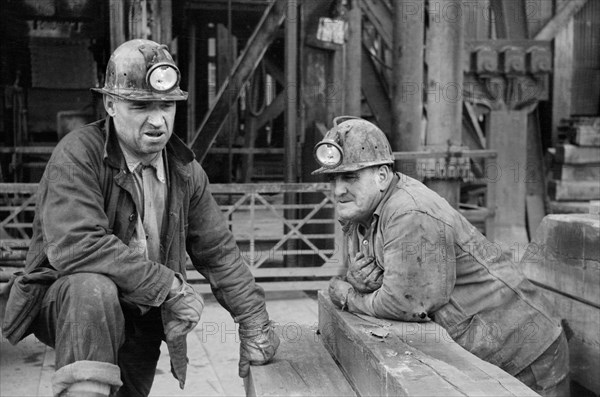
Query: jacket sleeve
x=215 y=254
x=419 y=269
x=75 y=227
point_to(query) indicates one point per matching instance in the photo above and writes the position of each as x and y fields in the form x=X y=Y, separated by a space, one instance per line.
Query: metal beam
x=257 y=45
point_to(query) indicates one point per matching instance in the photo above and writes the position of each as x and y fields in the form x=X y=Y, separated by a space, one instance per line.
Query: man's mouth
x=154 y=134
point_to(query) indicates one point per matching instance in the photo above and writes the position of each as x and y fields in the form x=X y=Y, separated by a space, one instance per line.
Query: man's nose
x=339 y=187
x=156 y=119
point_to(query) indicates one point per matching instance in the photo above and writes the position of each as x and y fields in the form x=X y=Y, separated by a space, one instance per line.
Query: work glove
x=338 y=292
x=182 y=310
x=257 y=347
x=364 y=274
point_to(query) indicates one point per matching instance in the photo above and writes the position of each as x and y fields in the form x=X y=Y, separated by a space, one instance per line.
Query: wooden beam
x=510 y=18
x=291 y=91
x=394 y=358
x=561 y=20
x=444 y=57
x=272 y=111
x=374 y=92
x=562 y=76
x=162 y=17
x=117 y=23
x=352 y=106
x=191 y=101
x=263 y=36
x=381 y=18
x=407 y=80
x=302 y=367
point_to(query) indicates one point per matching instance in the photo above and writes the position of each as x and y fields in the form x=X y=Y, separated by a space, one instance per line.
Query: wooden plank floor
x=213 y=350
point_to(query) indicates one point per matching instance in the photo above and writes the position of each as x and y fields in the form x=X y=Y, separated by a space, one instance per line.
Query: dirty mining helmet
x=351 y=145
x=142 y=70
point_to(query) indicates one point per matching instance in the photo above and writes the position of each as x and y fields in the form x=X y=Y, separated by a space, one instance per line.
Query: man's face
x=356 y=194
x=143 y=128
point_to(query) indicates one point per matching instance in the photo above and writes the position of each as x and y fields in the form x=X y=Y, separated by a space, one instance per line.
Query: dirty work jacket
x=437 y=266
x=87 y=212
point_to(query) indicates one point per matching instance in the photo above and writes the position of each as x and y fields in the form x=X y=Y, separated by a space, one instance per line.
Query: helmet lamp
x=162 y=77
x=328 y=154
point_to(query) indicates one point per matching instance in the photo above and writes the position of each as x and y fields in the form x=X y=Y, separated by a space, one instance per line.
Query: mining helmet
x=351 y=145
x=142 y=70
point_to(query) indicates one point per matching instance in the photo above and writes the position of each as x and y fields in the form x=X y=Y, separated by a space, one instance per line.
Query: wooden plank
x=270 y=286
x=568 y=207
x=261 y=38
x=576 y=172
x=383 y=357
x=302 y=367
x=323 y=271
x=507 y=175
x=587 y=135
x=584 y=345
x=561 y=20
x=574 y=190
x=562 y=76
x=571 y=154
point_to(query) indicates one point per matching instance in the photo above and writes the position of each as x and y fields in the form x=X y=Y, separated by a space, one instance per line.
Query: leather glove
x=338 y=292
x=364 y=274
x=257 y=347
x=182 y=310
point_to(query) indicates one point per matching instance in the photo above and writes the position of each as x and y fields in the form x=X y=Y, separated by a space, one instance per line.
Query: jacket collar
x=179 y=155
x=390 y=189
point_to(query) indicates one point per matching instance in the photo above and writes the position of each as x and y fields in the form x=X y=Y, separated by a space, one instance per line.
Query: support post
x=117 y=24
x=353 y=61
x=444 y=57
x=407 y=82
x=290 y=114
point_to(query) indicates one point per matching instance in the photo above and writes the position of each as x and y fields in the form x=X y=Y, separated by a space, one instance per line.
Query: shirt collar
x=157 y=164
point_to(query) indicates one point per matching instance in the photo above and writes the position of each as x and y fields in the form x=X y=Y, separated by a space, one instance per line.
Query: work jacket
x=87 y=212
x=437 y=266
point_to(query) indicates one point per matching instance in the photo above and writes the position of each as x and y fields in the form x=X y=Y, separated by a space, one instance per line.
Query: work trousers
x=548 y=375
x=83 y=319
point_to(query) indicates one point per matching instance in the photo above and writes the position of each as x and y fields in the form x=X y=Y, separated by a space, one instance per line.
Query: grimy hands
x=364 y=274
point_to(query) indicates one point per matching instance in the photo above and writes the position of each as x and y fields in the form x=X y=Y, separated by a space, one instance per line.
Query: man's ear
x=109 y=105
x=383 y=176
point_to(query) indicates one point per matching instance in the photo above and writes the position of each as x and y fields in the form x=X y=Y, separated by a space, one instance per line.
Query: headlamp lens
x=328 y=154
x=163 y=78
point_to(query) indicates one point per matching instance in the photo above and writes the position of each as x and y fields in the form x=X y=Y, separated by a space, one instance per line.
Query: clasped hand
x=364 y=274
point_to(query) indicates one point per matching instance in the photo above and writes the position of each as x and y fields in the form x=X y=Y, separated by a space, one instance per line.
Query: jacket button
x=131 y=217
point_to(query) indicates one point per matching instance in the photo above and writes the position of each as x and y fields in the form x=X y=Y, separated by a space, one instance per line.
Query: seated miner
x=121 y=204
x=412 y=257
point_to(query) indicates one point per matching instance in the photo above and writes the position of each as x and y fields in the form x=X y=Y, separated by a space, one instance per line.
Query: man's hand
x=182 y=309
x=257 y=347
x=338 y=292
x=364 y=274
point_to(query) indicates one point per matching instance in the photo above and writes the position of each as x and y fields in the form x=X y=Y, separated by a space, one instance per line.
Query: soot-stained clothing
x=437 y=266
